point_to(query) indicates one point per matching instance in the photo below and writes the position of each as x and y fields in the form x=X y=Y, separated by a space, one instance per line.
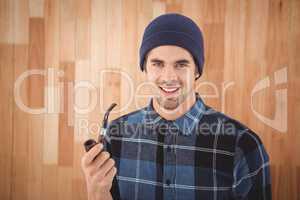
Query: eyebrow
x=156 y=60
x=181 y=61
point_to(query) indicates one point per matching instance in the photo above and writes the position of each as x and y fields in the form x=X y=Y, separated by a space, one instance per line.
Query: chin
x=170 y=106
x=169 y=103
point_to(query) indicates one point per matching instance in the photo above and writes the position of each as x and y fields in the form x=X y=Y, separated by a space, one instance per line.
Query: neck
x=179 y=111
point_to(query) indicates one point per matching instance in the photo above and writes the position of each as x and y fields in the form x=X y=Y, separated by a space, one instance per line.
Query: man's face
x=172 y=70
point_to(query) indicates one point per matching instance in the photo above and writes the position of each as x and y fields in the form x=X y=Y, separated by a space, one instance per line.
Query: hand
x=99 y=170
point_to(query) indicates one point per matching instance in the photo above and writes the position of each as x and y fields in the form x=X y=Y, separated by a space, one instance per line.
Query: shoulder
x=213 y=117
x=227 y=124
x=230 y=131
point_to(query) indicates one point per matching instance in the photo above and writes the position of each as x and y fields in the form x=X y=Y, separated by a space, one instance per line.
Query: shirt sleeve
x=252 y=179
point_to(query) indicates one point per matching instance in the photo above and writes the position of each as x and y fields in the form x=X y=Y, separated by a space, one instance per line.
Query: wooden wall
x=246 y=41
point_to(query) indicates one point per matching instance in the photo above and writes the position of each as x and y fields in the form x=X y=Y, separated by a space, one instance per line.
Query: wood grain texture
x=78 y=43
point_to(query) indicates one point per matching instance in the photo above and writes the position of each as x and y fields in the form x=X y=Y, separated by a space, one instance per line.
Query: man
x=177 y=147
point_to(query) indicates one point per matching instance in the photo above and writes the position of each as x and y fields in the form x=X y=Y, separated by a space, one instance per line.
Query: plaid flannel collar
x=186 y=123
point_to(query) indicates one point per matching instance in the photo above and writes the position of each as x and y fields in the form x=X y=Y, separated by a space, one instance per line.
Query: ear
x=145 y=64
x=197 y=74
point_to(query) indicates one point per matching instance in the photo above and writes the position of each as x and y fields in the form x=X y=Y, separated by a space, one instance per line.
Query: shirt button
x=168 y=149
x=168 y=182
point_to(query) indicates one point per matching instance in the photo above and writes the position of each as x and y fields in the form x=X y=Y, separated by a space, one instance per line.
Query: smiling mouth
x=169 y=90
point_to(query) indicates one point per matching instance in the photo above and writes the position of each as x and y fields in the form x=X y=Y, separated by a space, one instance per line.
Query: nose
x=169 y=73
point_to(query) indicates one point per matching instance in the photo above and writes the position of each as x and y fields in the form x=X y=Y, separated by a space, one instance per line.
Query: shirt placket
x=170 y=162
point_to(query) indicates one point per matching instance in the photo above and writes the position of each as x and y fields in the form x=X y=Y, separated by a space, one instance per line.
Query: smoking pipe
x=102 y=135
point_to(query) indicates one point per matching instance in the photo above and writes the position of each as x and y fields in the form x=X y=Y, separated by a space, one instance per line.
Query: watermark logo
x=279 y=122
x=95 y=92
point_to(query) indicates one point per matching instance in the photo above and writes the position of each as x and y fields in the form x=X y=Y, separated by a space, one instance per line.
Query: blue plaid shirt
x=202 y=155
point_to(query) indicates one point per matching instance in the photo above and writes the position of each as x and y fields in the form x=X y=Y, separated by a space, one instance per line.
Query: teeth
x=169 y=89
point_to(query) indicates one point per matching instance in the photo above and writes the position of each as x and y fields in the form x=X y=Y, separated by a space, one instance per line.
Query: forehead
x=169 y=53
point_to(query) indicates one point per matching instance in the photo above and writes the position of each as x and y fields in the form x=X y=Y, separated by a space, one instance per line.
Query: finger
x=91 y=154
x=107 y=166
x=100 y=176
x=110 y=174
x=99 y=161
x=102 y=158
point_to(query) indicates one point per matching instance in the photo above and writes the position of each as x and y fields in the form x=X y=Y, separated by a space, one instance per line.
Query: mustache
x=169 y=83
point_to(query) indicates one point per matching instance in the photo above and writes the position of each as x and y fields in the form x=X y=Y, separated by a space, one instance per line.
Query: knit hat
x=174 y=29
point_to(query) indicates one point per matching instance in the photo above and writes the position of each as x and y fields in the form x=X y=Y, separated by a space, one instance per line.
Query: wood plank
x=7 y=21
x=49 y=182
x=234 y=58
x=21 y=126
x=174 y=6
x=7 y=103
x=293 y=98
x=159 y=8
x=21 y=21
x=36 y=100
x=130 y=76
x=52 y=99
x=65 y=182
x=81 y=95
x=36 y=8
x=66 y=130
x=6 y=118
x=68 y=45
x=67 y=30
x=83 y=12
x=114 y=24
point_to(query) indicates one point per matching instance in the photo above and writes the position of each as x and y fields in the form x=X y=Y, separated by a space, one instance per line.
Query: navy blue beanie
x=174 y=29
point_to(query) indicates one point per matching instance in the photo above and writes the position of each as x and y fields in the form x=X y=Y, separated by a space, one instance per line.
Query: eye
x=157 y=64
x=181 y=65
